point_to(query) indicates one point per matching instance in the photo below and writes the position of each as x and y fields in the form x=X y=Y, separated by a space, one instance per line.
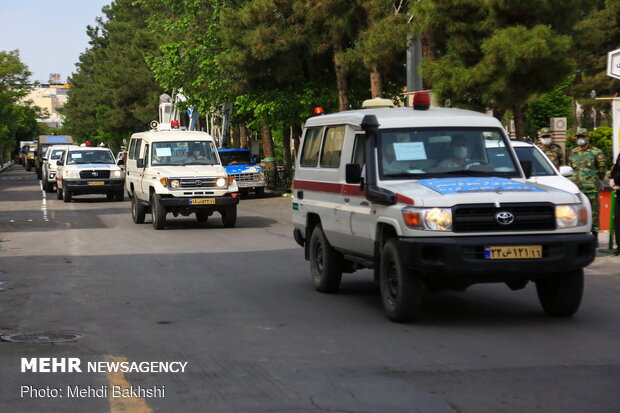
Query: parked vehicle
x=242 y=166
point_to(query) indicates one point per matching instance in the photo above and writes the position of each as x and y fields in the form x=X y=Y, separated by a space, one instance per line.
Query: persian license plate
x=508 y=252
x=202 y=201
x=96 y=183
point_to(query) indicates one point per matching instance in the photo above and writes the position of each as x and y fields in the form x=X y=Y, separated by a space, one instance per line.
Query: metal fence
x=279 y=179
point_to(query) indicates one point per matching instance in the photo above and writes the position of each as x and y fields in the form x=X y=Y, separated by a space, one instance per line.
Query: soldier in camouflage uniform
x=589 y=168
x=552 y=150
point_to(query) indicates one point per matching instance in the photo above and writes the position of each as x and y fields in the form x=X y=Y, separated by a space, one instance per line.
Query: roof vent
x=377 y=103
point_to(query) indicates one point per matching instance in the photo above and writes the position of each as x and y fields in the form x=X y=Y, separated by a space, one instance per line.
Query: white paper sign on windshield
x=163 y=152
x=76 y=156
x=409 y=151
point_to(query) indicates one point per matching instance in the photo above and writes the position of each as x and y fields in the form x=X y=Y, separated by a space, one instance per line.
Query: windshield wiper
x=197 y=163
x=466 y=172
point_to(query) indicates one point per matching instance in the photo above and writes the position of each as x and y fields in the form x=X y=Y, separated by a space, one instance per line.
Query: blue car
x=240 y=163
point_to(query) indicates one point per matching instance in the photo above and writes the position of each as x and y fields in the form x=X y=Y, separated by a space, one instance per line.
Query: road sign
x=613 y=64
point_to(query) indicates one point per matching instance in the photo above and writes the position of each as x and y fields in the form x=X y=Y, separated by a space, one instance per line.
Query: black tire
x=158 y=212
x=120 y=195
x=401 y=288
x=560 y=295
x=46 y=186
x=58 y=192
x=66 y=196
x=28 y=167
x=325 y=262
x=138 y=211
x=260 y=192
x=110 y=197
x=229 y=216
x=202 y=216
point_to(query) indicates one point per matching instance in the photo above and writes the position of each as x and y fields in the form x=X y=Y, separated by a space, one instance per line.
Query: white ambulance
x=434 y=198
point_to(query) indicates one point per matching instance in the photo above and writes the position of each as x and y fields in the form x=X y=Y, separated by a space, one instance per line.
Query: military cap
x=544 y=132
x=581 y=132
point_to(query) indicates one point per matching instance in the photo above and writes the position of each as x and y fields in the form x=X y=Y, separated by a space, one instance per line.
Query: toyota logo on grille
x=95 y=173
x=198 y=182
x=504 y=218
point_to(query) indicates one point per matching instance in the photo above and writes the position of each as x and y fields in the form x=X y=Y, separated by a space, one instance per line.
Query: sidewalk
x=5 y=166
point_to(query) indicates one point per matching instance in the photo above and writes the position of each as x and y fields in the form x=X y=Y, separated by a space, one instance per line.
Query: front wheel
x=325 y=263
x=120 y=195
x=138 y=211
x=202 y=216
x=260 y=192
x=67 y=196
x=158 y=212
x=58 y=192
x=401 y=288
x=560 y=295
x=229 y=216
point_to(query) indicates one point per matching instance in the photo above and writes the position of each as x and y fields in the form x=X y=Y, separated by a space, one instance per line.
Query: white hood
x=189 y=171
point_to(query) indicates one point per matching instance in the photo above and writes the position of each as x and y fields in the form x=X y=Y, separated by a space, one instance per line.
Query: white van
x=174 y=171
x=434 y=198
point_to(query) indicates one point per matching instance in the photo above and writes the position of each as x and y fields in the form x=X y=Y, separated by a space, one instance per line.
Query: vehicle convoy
x=170 y=170
x=44 y=142
x=434 y=198
x=88 y=170
x=241 y=165
x=49 y=168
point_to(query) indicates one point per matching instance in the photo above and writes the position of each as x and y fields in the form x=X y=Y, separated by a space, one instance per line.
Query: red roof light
x=174 y=124
x=318 y=110
x=421 y=100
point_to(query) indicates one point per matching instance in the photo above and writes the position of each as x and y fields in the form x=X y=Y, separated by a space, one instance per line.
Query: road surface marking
x=123 y=404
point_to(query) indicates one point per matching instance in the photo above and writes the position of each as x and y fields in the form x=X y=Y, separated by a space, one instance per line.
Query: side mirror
x=45 y=158
x=59 y=162
x=566 y=171
x=140 y=163
x=353 y=173
x=527 y=168
x=119 y=162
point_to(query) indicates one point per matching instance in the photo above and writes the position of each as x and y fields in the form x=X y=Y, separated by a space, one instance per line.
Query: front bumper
x=464 y=256
x=82 y=186
x=171 y=202
x=250 y=184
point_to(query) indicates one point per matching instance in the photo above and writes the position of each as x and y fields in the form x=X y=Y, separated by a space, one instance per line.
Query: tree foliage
x=114 y=93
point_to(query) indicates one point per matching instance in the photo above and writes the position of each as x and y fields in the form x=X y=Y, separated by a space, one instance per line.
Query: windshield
x=83 y=157
x=431 y=152
x=236 y=157
x=184 y=153
x=540 y=165
x=56 y=154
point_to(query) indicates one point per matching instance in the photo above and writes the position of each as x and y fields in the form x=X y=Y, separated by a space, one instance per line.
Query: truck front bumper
x=197 y=202
x=465 y=256
x=82 y=186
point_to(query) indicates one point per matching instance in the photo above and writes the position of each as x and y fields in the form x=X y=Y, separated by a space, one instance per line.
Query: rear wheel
x=229 y=216
x=158 y=212
x=202 y=216
x=560 y=295
x=138 y=211
x=401 y=288
x=325 y=263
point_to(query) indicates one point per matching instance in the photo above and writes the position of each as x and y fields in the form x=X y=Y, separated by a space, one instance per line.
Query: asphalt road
x=238 y=306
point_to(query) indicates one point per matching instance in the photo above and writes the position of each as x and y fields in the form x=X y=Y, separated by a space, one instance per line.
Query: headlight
x=221 y=182
x=568 y=216
x=175 y=183
x=429 y=219
x=116 y=174
x=72 y=174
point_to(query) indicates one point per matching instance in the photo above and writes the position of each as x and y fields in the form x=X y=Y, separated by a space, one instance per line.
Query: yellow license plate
x=96 y=183
x=509 y=252
x=202 y=201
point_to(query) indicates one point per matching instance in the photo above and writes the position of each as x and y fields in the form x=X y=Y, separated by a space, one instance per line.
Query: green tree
x=114 y=93
x=17 y=120
x=555 y=104
x=502 y=54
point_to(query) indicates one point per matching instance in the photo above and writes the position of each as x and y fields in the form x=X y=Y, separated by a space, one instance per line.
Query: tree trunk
x=428 y=53
x=268 y=153
x=376 y=83
x=341 y=77
x=296 y=138
x=236 y=136
x=243 y=137
x=286 y=148
x=517 y=113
